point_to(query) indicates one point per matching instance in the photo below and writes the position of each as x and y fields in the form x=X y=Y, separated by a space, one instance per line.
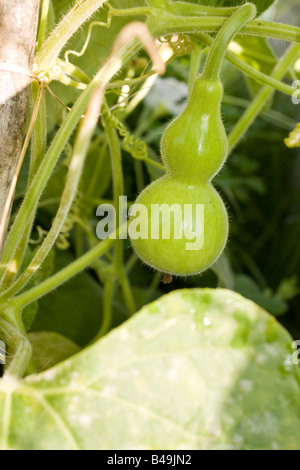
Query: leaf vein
x=142 y=409
x=62 y=426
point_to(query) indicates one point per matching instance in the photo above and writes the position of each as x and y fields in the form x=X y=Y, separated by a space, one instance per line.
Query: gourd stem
x=195 y=65
x=226 y=34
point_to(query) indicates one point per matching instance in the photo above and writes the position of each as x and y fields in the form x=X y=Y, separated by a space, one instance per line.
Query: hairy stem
x=13 y=184
x=81 y=146
x=41 y=178
x=38 y=150
x=59 y=37
x=107 y=309
x=224 y=38
x=192 y=9
x=169 y=24
x=67 y=273
x=39 y=136
x=125 y=47
x=118 y=189
x=195 y=65
x=19 y=350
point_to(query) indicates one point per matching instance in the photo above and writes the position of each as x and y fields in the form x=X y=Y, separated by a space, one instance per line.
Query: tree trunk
x=18 y=29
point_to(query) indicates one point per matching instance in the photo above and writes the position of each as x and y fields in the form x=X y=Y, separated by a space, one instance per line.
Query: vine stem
x=22 y=351
x=81 y=147
x=127 y=291
x=115 y=61
x=39 y=136
x=195 y=66
x=269 y=115
x=118 y=190
x=12 y=188
x=38 y=151
x=78 y=15
x=124 y=48
x=191 y=9
x=263 y=95
x=107 y=309
x=158 y=3
x=226 y=34
x=169 y=24
x=67 y=273
x=180 y=9
x=19 y=348
x=207 y=40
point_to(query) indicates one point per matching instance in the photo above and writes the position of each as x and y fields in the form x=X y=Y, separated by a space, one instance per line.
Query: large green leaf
x=197 y=369
x=262 y=5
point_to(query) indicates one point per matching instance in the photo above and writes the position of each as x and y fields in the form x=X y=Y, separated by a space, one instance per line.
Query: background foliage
x=253 y=399
x=260 y=184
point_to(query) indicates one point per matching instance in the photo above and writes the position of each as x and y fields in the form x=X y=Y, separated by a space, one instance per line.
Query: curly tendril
x=180 y=43
x=62 y=242
x=134 y=146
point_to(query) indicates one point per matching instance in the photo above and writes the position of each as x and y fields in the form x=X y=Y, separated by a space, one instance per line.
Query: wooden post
x=18 y=30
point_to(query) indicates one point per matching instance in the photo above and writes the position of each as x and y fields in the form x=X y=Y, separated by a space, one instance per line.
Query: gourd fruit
x=194 y=148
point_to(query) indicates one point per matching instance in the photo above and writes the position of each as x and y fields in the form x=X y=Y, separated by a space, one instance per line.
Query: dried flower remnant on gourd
x=293 y=140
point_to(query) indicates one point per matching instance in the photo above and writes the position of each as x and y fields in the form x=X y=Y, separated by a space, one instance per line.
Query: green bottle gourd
x=194 y=148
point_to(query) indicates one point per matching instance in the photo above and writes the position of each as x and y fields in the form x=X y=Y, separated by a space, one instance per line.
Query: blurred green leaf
x=29 y=314
x=289 y=288
x=223 y=270
x=49 y=349
x=266 y=299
